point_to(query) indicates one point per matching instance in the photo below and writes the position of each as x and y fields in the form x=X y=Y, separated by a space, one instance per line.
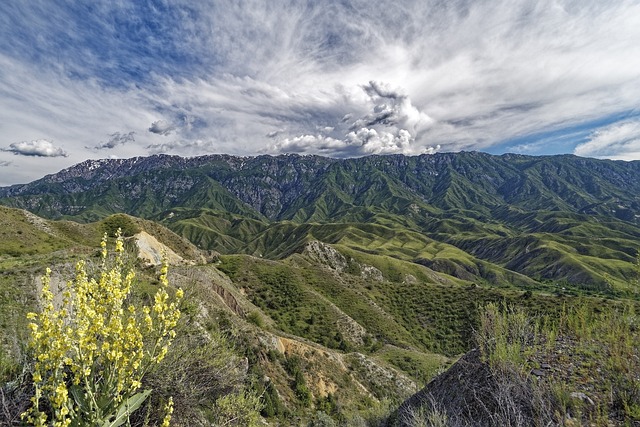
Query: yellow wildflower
x=97 y=336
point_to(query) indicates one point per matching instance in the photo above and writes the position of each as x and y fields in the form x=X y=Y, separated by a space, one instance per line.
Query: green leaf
x=78 y=395
x=126 y=408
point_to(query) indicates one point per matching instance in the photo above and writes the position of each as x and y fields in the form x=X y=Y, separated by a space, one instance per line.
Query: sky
x=116 y=79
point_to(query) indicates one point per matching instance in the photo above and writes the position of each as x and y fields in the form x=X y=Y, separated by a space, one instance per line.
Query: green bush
x=127 y=226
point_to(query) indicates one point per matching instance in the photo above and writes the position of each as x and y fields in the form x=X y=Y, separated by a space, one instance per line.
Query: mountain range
x=509 y=220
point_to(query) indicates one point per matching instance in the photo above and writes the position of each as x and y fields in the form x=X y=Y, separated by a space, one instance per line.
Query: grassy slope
x=214 y=302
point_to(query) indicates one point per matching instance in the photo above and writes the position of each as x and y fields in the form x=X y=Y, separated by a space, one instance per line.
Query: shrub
x=237 y=409
x=122 y=224
x=255 y=318
x=506 y=335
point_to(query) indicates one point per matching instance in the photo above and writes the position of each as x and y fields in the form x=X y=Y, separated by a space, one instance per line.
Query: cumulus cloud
x=317 y=144
x=372 y=142
x=616 y=141
x=387 y=124
x=362 y=142
x=161 y=127
x=392 y=107
x=36 y=148
x=116 y=139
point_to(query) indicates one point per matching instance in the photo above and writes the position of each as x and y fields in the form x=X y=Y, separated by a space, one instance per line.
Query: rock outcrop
x=471 y=394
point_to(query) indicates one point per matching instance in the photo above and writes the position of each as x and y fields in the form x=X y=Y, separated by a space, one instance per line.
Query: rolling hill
x=506 y=220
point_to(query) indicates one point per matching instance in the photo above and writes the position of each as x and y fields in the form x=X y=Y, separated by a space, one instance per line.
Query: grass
x=593 y=352
x=421 y=366
x=410 y=308
x=19 y=236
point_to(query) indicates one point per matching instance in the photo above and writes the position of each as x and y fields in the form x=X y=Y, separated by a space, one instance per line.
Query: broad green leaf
x=78 y=395
x=126 y=408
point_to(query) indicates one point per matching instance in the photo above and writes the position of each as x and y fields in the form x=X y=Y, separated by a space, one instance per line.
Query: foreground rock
x=471 y=394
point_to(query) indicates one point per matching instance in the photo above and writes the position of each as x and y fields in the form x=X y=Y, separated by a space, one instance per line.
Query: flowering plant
x=92 y=349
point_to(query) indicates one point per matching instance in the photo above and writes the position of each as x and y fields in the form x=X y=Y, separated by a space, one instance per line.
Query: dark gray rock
x=471 y=394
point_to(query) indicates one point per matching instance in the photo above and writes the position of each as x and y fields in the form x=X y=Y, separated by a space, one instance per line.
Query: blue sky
x=98 y=79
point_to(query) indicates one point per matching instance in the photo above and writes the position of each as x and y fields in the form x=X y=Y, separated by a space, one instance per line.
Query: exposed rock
x=39 y=223
x=228 y=298
x=582 y=397
x=537 y=372
x=470 y=394
x=326 y=255
x=324 y=387
x=369 y=272
x=375 y=376
x=151 y=251
x=212 y=279
x=410 y=279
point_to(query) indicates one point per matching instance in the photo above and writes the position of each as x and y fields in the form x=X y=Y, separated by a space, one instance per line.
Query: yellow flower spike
x=95 y=331
x=103 y=245
x=168 y=410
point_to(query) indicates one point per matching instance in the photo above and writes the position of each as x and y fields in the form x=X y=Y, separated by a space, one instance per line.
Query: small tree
x=92 y=349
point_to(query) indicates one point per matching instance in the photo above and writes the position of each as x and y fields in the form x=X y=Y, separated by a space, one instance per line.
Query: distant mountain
x=503 y=220
x=289 y=187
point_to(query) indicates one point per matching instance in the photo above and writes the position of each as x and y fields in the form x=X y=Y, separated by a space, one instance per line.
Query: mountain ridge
x=509 y=177
x=553 y=218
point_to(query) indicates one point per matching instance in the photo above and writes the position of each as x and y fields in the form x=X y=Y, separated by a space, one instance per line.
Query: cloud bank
x=342 y=78
x=618 y=141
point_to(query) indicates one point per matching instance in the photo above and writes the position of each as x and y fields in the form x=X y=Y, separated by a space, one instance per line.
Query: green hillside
x=346 y=285
x=505 y=220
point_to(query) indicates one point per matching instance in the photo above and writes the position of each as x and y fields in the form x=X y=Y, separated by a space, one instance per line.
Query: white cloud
x=36 y=148
x=617 y=141
x=373 y=142
x=310 y=144
x=362 y=142
x=315 y=77
x=4 y=163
